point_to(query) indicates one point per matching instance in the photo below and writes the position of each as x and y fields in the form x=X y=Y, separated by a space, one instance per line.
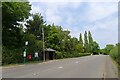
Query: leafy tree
x=96 y=48
x=102 y=51
x=12 y=14
x=86 y=42
x=108 y=48
x=12 y=32
x=79 y=48
x=35 y=25
x=90 y=41
x=81 y=40
x=53 y=38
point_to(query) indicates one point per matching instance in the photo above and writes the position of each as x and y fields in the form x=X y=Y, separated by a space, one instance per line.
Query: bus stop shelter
x=49 y=54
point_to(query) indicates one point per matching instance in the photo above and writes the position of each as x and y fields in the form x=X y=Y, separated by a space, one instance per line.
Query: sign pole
x=24 y=53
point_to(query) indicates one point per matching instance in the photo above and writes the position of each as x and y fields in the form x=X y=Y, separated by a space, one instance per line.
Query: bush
x=11 y=56
x=59 y=55
x=115 y=55
x=84 y=54
x=74 y=54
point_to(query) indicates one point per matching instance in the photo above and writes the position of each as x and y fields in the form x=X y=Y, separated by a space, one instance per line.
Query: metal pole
x=24 y=60
x=43 y=45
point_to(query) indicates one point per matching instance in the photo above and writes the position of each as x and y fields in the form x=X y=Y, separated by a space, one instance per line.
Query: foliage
x=86 y=42
x=11 y=56
x=90 y=42
x=108 y=48
x=81 y=40
x=12 y=31
x=85 y=54
x=96 y=47
x=79 y=48
x=12 y=13
x=15 y=34
x=114 y=53
x=59 y=55
x=102 y=51
x=35 y=25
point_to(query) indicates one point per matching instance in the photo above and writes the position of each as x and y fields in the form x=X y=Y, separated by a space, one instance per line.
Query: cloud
x=98 y=17
x=51 y=11
x=99 y=10
x=36 y=9
x=105 y=32
x=69 y=20
x=52 y=18
x=73 y=1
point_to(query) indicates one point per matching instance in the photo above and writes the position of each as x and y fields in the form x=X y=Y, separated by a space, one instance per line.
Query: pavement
x=94 y=66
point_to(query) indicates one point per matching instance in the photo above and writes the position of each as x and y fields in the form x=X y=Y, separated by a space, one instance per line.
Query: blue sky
x=101 y=18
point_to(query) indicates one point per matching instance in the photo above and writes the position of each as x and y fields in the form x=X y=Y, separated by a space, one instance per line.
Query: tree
x=81 y=40
x=114 y=53
x=35 y=25
x=108 y=48
x=96 y=48
x=12 y=14
x=53 y=38
x=102 y=51
x=86 y=42
x=79 y=48
x=12 y=32
x=90 y=41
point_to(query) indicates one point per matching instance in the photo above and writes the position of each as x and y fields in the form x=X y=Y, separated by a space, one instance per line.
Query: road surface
x=97 y=66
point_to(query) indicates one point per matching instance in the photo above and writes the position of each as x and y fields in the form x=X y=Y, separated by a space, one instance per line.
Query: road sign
x=36 y=54
x=26 y=43
x=24 y=54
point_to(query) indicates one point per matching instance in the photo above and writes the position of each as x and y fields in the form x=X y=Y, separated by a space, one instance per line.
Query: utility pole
x=43 y=44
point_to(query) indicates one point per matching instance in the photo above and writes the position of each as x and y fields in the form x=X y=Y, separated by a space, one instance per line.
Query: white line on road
x=76 y=62
x=34 y=74
x=60 y=67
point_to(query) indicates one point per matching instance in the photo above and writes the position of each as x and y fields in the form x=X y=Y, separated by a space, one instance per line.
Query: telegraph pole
x=43 y=44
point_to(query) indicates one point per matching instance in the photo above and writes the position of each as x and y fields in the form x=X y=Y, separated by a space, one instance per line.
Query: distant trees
x=80 y=40
x=95 y=48
x=91 y=44
x=86 y=46
x=80 y=45
x=107 y=49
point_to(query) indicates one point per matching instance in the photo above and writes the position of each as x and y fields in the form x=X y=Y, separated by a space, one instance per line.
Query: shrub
x=59 y=55
x=115 y=55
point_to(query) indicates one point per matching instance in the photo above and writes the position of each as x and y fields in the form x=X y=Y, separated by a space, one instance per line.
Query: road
x=97 y=66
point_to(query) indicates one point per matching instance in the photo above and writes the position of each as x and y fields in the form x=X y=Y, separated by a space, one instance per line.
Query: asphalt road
x=97 y=66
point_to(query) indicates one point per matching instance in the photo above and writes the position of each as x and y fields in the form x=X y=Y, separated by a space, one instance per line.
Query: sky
x=101 y=18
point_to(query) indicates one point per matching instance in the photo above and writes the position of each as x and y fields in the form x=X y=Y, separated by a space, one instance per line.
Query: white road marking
x=60 y=67
x=76 y=62
x=34 y=74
